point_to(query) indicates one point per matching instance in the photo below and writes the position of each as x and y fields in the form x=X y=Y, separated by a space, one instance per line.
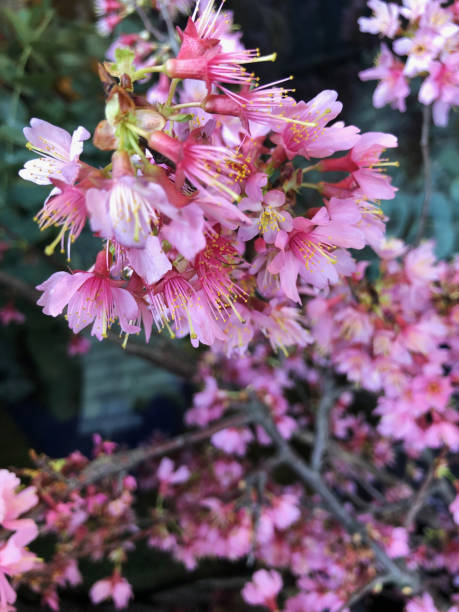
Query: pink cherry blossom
x=393 y=88
x=317 y=140
x=201 y=164
x=232 y=440
x=421 y=50
x=10 y=314
x=13 y=503
x=216 y=66
x=263 y=589
x=89 y=297
x=423 y=603
x=167 y=476
x=59 y=152
x=270 y=220
x=116 y=587
x=78 y=345
x=384 y=20
x=441 y=88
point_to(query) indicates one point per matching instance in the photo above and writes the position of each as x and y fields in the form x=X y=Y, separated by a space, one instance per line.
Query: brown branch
x=425 y=149
x=111 y=465
x=19 y=286
x=162 y=354
x=398 y=574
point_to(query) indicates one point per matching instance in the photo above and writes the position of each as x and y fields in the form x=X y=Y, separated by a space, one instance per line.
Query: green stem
x=310 y=186
x=186 y=105
x=309 y=168
x=172 y=89
x=151 y=69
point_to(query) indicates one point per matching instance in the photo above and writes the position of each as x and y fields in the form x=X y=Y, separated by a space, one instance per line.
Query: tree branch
x=425 y=149
x=19 y=286
x=335 y=449
x=111 y=465
x=321 y=437
x=312 y=479
x=420 y=497
x=162 y=354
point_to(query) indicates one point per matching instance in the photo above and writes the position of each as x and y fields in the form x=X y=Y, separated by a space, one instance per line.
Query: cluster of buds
x=198 y=208
x=425 y=32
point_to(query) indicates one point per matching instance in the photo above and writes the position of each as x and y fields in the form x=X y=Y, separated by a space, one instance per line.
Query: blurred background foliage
x=48 y=69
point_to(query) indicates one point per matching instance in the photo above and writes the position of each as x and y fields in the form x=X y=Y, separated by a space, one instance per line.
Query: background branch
x=19 y=286
x=162 y=354
x=170 y=27
x=147 y=23
x=425 y=149
x=321 y=437
x=111 y=465
x=420 y=497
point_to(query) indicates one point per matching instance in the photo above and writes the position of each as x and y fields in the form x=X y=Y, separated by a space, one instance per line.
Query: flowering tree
x=322 y=436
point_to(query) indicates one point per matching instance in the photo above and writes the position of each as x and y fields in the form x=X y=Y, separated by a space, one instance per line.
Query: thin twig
x=335 y=449
x=425 y=149
x=111 y=465
x=321 y=437
x=420 y=496
x=170 y=27
x=147 y=23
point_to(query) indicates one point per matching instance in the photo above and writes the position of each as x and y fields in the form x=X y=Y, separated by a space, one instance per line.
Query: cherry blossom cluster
x=397 y=336
x=15 y=534
x=424 y=36
x=225 y=501
x=197 y=210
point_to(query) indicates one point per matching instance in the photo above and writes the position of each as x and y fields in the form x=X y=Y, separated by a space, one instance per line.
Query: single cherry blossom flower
x=421 y=50
x=59 y=152
x=297 y=137
x=270 y=220
x=115 y=587
x=263 y=589
x=167 y=476
x=89 y=297
x=393 y=87
x=441 y=88
x=385 y=19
